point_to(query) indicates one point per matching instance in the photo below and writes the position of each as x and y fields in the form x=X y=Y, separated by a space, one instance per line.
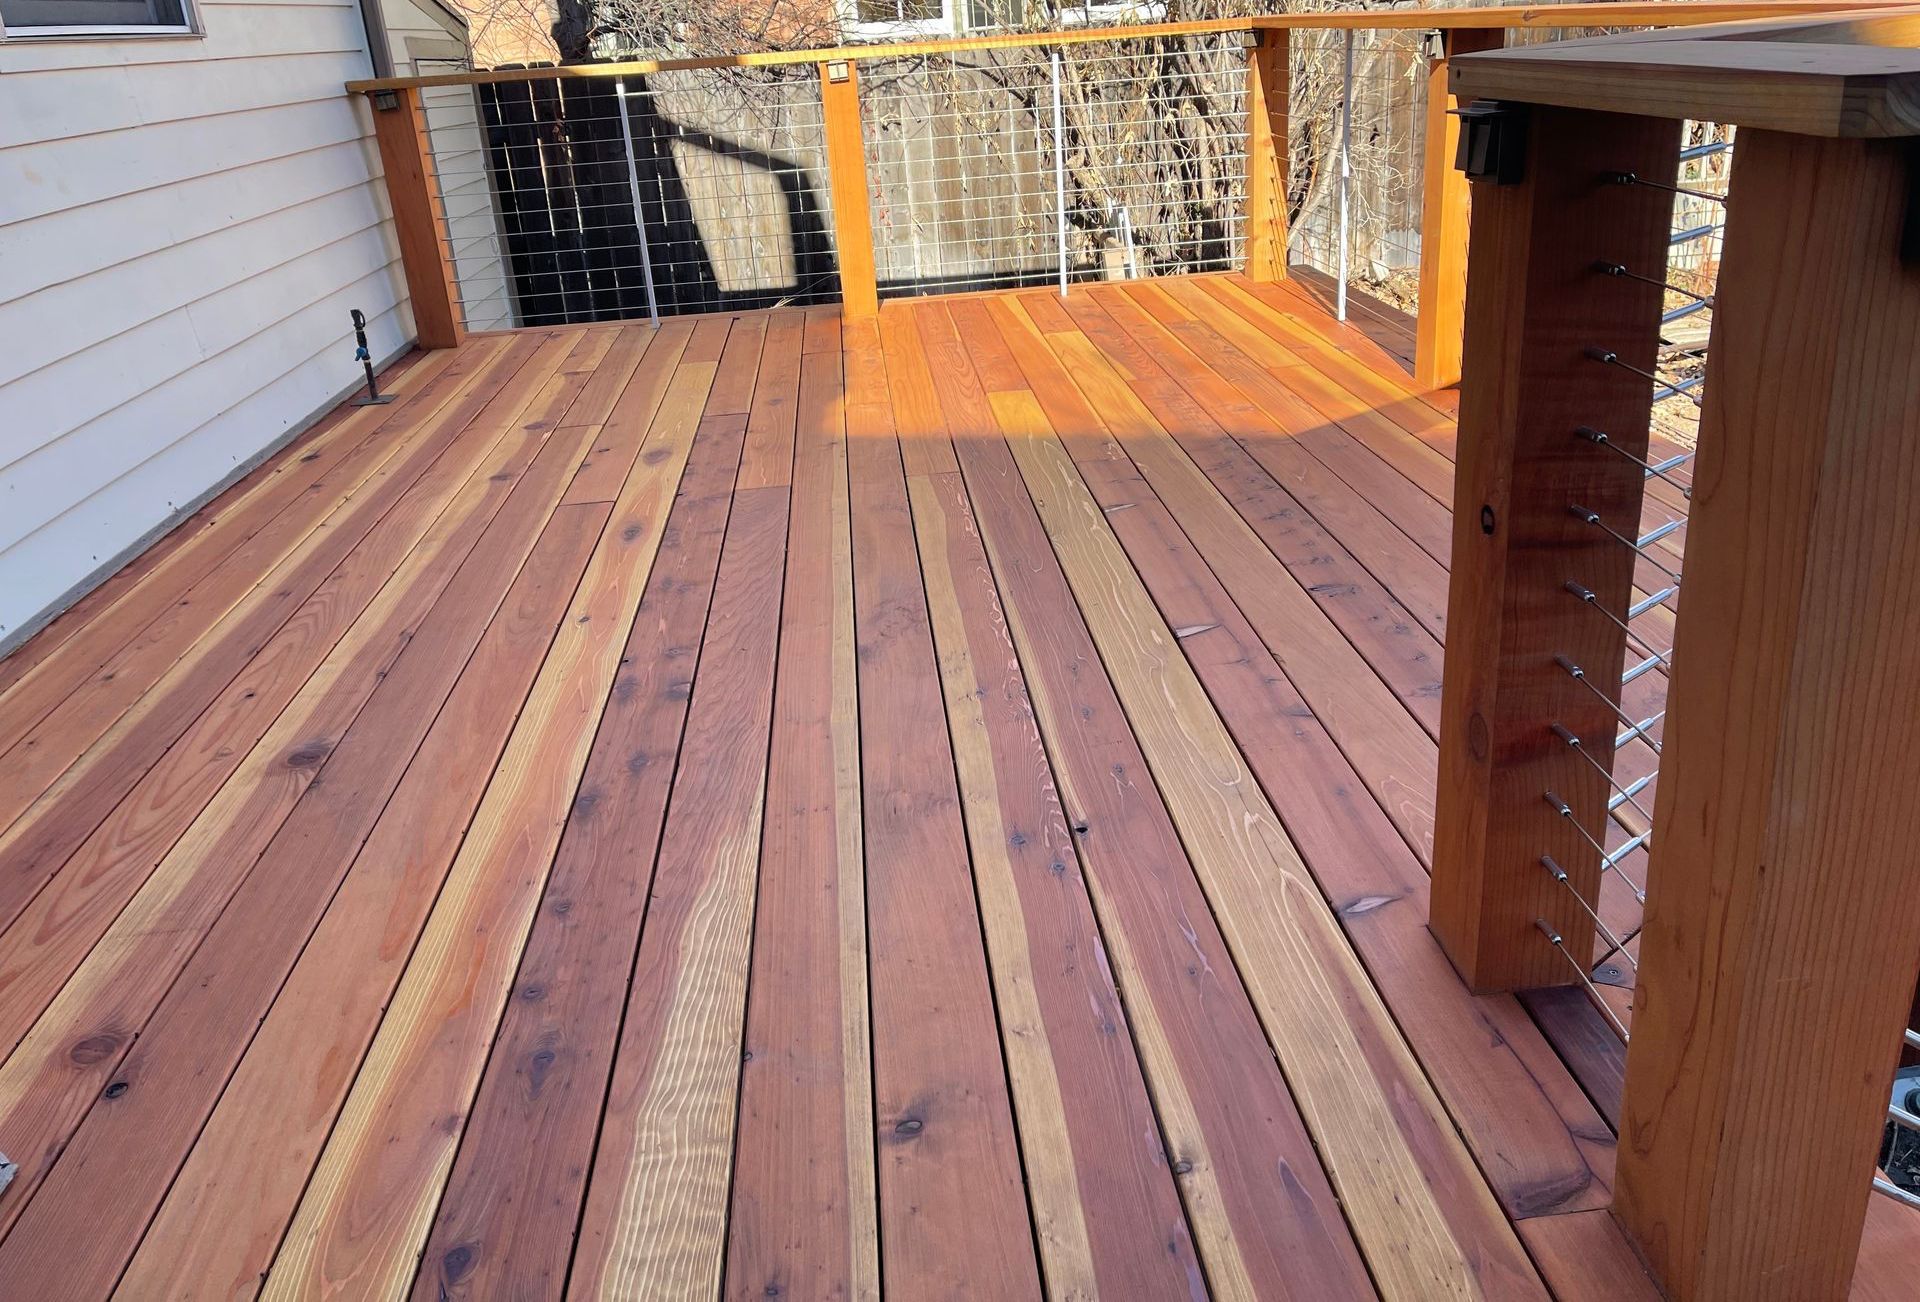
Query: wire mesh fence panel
x=695 y=191
x=994 y=167
x=1386 y=143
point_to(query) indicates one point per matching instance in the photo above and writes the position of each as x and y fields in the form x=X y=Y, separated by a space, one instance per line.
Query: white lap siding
x=184 y=224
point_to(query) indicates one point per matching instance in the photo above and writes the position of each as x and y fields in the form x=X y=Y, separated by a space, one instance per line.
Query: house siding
x=184 y=224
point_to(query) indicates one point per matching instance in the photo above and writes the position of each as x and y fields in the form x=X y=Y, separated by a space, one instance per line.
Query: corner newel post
x=1439 y=324
x=847 y=183
x=419 y=223
x=1269 y=89
x=1553 y=346
x=1782 y=934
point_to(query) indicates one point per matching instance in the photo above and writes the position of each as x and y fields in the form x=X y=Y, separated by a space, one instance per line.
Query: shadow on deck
x=774 y=802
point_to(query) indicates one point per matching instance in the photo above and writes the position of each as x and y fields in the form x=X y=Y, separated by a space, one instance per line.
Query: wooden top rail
x=1851 y=76
x=1626 y=13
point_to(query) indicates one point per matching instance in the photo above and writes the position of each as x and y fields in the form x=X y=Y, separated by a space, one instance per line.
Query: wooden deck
x=778 y=806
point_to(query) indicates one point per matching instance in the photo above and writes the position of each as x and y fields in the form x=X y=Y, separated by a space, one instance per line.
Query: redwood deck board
x=701 y=812
x=804 y=1220
x=941 y=1098
x=512 y=1203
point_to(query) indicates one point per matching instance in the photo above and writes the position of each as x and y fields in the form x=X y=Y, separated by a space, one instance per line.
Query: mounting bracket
x=1493 y=141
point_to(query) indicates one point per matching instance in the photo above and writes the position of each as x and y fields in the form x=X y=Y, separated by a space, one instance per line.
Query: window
x=95 y=17
x=894 y=19
x=897 y=11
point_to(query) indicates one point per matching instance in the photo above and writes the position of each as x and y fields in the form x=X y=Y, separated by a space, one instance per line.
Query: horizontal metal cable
x=1640 y=730
x=1593 y=991
x=1608 y=862
x=1589 y=597
x=1895 y=1192
x=1653 y=599
x=1607 y=357
x=1693 y=233
x=1620 y=271
x=1633 y=788
x=1680 y=388
x=1660 y=471
x=1692 y=152
x=1633 y=545
x=1655 y=534
x=1647 y=666
x=1634 y=178
x=1579 y=675
x=1619 y=946
x=1572 y=740
x=1685 y=310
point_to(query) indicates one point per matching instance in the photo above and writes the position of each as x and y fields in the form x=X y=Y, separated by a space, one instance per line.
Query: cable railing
x=1624 y=839
x=650 y=188
x=1024 y=165
x=572 y=201
x=1698 y=815
x=1728 y=883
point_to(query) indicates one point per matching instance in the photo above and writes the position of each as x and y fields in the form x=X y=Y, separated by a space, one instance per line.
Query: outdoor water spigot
x=364 y=356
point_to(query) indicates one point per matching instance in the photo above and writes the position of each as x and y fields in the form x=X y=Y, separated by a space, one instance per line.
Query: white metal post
x=1060 y=171
x=1346 y=177
x=633 y=187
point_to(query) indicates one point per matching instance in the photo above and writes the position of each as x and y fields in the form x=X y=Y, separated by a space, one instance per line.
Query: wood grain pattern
x=1334 y=1039
x=344 y=636
x=952 y=1064
x=847 y=183
x=1588 y=1258
x=624 y=431
x=90 y=633
x=1828 y=76
x=1103 y=1219
x=1506 y=1104
x=1420 y=515
x=1385 y=738
x=1224 y=1110
x=506 y=1223
x=773 y=408
x=1273 y=448
x=804 y=1216
x=107 y=999
x=129 y=582
x=161 y=1091
x=1443 y=220
x=216 y=1231
x=366 y=1211
x=70 y=733
x=413 y=192
x=952 y=1205
x=1531 y=310
x=1782 y=934
x=656 y=1211
x=1269 y=92
x=1110 y=369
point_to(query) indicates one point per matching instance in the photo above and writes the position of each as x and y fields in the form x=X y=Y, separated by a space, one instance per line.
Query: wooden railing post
x=1535 y=305
x=1439 y=325
x=1269 y=83
x=419 y=224
x=1782 y=934
x=847 y=183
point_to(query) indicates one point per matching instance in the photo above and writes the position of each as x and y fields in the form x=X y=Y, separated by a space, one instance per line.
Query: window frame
x=854 y=28
x=188 y=26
